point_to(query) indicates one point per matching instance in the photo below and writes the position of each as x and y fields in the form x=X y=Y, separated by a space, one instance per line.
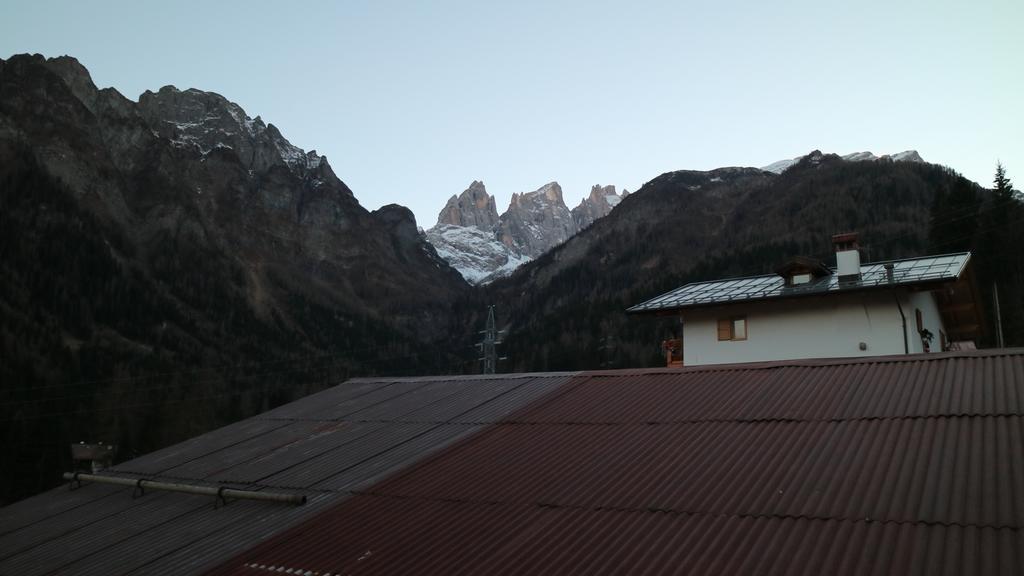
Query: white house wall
x=925 y=302
x=832 y=326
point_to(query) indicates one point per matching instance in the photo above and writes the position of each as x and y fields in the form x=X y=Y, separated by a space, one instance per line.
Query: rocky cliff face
x=204 y=121
x=474 y=207
x=483 y=246
x=600 y=202
x=536 y=221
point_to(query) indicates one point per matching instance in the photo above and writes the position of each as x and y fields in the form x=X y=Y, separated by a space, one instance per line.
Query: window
x=734 y=328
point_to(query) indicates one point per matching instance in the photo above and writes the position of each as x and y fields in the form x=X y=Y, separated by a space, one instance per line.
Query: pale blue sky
x=411 y=101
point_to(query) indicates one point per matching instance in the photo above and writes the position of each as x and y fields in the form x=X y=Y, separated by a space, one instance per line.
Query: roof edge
x=814 y=362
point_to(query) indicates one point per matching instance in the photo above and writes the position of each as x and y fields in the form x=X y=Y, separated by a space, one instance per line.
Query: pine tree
x=1003 y=186
x=1001 y=264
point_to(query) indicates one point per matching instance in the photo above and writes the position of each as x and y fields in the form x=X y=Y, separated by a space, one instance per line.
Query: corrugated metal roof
x=323 y=446
x=893 y=465
x=907 y=272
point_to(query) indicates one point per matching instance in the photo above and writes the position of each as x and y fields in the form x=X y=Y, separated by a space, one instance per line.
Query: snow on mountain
x=475 y=253
x=907 y=156
x=781 y=166
x=466 y=236
x=860 y=157
x=600 y=202
x=484 y=246
x=206 y=121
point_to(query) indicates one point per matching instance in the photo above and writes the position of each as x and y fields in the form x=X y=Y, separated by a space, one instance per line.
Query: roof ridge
x=810 y=362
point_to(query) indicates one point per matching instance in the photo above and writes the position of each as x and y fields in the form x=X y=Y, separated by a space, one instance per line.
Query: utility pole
x=489 y=345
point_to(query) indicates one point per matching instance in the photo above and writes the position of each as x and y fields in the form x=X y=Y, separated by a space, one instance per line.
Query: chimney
x=847 y=256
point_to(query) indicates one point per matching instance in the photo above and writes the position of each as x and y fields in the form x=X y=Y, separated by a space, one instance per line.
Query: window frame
x=727 y=328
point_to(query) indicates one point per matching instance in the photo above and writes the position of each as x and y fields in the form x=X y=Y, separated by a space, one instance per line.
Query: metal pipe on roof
x=903 y=317
x=220 y=492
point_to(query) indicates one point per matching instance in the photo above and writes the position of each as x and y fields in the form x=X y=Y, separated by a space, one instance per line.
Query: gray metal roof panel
x=385 y=395
x=907 y=272
x=318 y=444
x=314 y=470
x=381 y=464
x=225 y=438
x=507 y=404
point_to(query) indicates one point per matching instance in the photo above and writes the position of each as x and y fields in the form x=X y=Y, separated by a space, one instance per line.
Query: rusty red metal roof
x=890 y=465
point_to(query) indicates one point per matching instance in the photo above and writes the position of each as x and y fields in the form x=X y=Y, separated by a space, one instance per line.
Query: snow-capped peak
x=483 y=246
x=907 y=156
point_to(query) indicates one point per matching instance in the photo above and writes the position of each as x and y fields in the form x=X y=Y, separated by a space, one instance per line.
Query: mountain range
x=484 y=246
x=172 y=264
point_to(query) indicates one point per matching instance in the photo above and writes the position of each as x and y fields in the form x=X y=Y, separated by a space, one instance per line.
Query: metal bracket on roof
x=220 y=500
x=139 y=491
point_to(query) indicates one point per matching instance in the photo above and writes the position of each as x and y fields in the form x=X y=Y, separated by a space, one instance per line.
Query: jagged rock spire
x=474 y=207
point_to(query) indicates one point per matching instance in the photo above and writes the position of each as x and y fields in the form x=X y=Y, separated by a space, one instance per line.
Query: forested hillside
x=566 y=310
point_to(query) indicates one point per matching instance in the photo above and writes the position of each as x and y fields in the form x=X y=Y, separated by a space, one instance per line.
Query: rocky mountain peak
x=598 y=192
x=550 y=192
x=483 y=246
x=400 y=223
x=536 y=221
x=205 y=121
x=474 y=207
x=77 y=79
x=600 y=202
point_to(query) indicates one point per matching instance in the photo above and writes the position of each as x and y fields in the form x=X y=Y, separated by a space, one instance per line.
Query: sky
x=411 y=101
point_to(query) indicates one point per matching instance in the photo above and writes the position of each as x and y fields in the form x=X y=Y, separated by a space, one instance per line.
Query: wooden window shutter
x=725 y=329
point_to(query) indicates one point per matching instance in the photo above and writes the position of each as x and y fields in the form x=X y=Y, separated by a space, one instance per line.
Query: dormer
x=799 y=270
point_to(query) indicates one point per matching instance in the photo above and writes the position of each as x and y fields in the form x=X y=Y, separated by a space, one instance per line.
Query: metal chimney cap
x=846 y=240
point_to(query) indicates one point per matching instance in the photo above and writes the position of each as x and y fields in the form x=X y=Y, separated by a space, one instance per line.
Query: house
x=900 y=464
x=809 y=310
